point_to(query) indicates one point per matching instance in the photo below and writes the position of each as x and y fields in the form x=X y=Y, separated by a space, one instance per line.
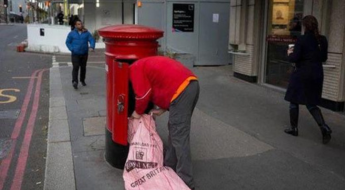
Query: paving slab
x=57 y=113
x=57 y=102
x=274 y=169
x=94 y=126
x=59 y=174
x=59 y=169
x=92 y=172
x=58 y=131
x=213 y=139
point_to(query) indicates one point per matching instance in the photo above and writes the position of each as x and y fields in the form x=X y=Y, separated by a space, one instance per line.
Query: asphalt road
x=24 y=112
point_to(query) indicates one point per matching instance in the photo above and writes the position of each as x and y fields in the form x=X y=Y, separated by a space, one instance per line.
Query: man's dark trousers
x=79 y=61
x=178 y=155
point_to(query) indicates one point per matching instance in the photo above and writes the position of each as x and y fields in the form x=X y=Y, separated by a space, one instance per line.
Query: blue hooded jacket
x=78 y=44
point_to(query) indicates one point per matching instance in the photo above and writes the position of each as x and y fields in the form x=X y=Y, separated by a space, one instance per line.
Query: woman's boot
x=293 y=130
x=325 y=130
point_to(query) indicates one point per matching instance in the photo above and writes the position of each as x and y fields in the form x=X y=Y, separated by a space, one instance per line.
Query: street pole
x=33 y=13
x=49 y=17
x=6 y=14
x=66 y=13
x=37 y=13
x=123 y=12
x=51 y=14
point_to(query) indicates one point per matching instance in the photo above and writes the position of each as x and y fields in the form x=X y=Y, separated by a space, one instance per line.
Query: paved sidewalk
x=237 y=137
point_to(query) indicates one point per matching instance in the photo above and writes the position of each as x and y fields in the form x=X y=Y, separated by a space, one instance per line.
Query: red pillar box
x=124 y=45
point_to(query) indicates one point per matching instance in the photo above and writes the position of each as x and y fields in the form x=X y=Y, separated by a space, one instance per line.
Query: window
x=284 y=26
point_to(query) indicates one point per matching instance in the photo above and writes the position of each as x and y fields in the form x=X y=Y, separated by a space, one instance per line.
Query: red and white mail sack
x=144 y=168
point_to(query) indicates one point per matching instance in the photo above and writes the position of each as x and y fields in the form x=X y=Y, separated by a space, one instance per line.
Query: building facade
x=18 y=7
x=95 y=13
x=261 y=31
x=194 y=30
x=102 y=13
x=253 y=35
x=15 y=8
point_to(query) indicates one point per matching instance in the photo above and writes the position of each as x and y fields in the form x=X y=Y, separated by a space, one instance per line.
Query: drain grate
x=84 y=93
x=5 y=146
x=9 y=114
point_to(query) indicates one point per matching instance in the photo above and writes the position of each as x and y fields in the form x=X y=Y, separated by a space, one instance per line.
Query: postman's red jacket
x=157 y=79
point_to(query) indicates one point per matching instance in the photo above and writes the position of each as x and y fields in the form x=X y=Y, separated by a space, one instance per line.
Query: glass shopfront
x=283 y=27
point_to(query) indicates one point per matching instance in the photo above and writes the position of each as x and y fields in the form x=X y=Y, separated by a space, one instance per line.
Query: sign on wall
x=106 y=17
x=280 y=14
x=41 y=31
x=183 y=18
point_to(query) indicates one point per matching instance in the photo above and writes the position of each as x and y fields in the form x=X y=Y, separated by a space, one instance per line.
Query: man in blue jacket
x=78 y=43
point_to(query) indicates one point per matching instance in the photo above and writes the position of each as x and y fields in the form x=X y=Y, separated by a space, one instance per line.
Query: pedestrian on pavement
x=306 y=81
x=170 y=86
x=21 y=18
x=72 y=20
x=60 y=17
x=78 y=43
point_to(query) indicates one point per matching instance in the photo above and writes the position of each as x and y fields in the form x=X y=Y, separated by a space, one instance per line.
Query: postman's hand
x=157 y=112
x=135 y=115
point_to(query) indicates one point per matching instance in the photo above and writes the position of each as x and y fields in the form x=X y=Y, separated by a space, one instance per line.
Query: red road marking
x=5 y=164
x=24 y=150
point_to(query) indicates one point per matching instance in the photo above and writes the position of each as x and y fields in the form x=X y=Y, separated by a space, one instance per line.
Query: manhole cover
x=9 y=114
x=5 y=146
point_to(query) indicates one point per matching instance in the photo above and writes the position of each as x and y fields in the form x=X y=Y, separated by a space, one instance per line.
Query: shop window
x=284 y=26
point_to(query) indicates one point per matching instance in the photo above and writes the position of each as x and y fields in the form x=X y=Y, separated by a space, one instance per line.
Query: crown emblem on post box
x=139 y=155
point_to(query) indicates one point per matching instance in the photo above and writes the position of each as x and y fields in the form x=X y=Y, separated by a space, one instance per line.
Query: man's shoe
x=83 y=83
x=75 y=85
